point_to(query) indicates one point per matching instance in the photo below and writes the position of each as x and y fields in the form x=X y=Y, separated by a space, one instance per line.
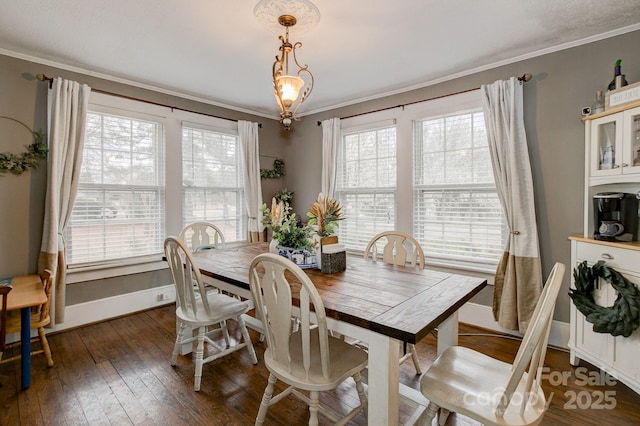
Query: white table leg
x=383 y=380
x=448 y=333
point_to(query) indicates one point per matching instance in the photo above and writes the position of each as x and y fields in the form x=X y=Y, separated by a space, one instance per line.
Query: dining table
x=27 y=292
x=380 y=304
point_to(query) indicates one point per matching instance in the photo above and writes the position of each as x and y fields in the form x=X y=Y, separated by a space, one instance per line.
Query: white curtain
x=330 y=140
x=518 y=280
x=67 y=116
x=248 y=132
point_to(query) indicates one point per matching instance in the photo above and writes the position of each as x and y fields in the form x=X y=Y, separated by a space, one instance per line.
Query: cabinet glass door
x=631 y=142
x=606 y=140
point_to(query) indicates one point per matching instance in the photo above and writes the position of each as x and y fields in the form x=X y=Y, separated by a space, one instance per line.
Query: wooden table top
x=27 y=291
x=397 y=301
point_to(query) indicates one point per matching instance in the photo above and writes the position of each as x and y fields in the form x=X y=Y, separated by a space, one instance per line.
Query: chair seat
x=346 y=360
x=221 y=307
x=475 y=382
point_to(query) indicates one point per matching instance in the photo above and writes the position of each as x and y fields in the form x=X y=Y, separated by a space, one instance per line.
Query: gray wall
x=563 y=83
x=22 y=197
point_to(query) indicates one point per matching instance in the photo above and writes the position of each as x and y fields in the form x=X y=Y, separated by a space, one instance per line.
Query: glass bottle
x=618 y=78
x=599 y=105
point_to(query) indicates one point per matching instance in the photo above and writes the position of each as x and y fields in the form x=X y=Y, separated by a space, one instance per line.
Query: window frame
x=171 y=120
x=475 y=188
x=242 y=218
x=360 y=126
x=404 y=118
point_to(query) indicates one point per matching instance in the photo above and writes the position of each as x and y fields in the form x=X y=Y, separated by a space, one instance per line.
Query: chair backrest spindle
x=47 y=283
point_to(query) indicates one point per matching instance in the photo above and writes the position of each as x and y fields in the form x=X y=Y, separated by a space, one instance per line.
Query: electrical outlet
x=163 y=296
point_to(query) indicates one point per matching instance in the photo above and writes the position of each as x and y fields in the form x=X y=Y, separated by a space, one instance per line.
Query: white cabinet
x=613 y=146
x=618 y=355
x=612 y=163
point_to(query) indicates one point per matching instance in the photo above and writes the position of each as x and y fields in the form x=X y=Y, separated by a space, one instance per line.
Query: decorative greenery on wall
x=284 y=195
x=276 y=172
x=18 y=163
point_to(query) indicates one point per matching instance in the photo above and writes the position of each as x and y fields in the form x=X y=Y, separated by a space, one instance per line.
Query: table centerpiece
x=290 y=238
x=324 y=215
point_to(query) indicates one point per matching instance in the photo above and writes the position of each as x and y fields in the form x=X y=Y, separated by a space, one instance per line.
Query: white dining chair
x=478 y=386
x=398 y=248
x=201 y=309
x=308 y=359
x=202 y=236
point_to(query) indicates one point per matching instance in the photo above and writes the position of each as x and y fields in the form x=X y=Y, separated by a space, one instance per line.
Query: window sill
x=485 y=272
x=481 y=271
x=97 y=272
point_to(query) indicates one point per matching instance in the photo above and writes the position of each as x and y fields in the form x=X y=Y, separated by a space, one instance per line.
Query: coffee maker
x=616 y=216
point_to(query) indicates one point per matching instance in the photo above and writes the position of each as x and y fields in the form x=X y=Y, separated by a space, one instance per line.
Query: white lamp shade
x=289 y=87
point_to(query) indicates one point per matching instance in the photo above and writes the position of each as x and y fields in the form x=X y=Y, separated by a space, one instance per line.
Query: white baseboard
x=482 y=316
x=112 y=307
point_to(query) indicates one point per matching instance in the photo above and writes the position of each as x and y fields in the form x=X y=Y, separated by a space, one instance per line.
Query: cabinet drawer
x=614 y=256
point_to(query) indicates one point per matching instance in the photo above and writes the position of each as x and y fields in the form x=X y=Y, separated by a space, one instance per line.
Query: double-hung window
x=366 y=183
x=457 y=213
x=119 y=208
x=147 y=171
x=212 y=178
x=424 y=170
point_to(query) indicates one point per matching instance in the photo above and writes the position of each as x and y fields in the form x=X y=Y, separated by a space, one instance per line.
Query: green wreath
x=618 y=320
x=276 y=172
x=36 y=152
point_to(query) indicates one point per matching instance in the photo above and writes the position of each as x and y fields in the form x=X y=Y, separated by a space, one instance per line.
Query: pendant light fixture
x=292 y=82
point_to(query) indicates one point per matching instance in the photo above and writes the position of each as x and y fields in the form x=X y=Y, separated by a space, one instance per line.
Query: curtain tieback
x=515 y=232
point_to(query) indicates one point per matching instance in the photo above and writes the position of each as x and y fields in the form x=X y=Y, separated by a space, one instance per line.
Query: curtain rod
x=42 y=77
x=523 y=79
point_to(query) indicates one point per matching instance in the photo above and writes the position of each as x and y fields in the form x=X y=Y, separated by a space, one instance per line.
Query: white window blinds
x=366 y=184
x=119 y=207
x=457 y=214
x=213 y=182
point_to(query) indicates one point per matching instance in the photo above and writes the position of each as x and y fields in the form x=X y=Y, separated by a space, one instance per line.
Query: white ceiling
x=215 y=51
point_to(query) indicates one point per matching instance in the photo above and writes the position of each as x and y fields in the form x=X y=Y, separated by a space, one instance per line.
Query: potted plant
x=324 y=215
x=290 y=238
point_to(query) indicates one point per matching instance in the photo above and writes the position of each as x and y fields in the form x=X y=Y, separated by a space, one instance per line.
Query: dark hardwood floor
x=117 y=372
